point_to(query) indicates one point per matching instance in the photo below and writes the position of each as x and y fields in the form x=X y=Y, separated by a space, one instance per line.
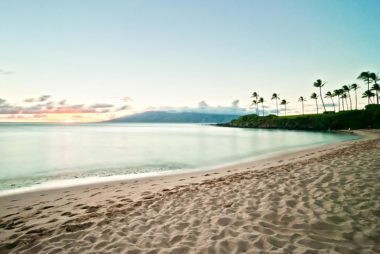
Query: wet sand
x=321 y=200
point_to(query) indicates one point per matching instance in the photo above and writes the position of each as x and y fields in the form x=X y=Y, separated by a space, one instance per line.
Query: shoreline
x=321 y=199
x=222 y=170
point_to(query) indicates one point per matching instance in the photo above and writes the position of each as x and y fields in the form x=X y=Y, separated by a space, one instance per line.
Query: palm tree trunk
x=302 y=109
x=338 y=103
x=346 y=104
x=356 y=100
x=257 y=109
x=285 y=109
x=342 y=103
x=320 y=93
x=349 y=96
x=333 y=103
x=277 y=106
x=316 y=103
x=369 y=99
x=262 y=104
x=377 y=97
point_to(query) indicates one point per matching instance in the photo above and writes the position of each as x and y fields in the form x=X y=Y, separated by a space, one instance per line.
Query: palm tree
x=256 y=97
x=254 y=102
x=366 y=77
x=344 y=98
x=347 y=89
x=314 y=96
x=319 y=85
x=355 y=87
x=368 y=94
x=376 y=88
x=261 y=100
x=337 y=93
x=375 y=77
x=330 y=95
x=302 y=100
x=284 y=102
x=276 y=97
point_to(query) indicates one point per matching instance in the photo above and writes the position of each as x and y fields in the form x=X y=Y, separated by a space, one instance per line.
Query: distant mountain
x=175 y=117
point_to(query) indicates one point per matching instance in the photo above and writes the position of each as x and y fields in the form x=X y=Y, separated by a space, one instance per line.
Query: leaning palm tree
x=314 y=96
x=256 y=97
x=330 y=95
x=302 y=100
x=319 y=84
x=366 y=77
x=261 y=100
x=355 y=87
x=368 y=94
x=284 y=102
x=347 y=89
x=337 y=93
x=276 y=97
x=254 y=102
x=376 y=89
x=344 y=98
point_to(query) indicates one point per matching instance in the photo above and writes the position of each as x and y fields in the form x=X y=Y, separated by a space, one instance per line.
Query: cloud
x=70 y=109
x=42 y=106
x=42 y=98
x=62 y=102
x=102 y=105
x=122 y=108
x=29 y=100
x=5 y=72
x=204 y=107
x=235 y=104
x=202 y=104
x=39 y=116
x=126 y=99
x=6 y=108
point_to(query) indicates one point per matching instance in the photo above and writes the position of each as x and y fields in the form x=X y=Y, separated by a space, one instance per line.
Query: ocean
x=36 y=155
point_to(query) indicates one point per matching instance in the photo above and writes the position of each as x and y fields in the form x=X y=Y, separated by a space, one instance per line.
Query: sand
x=322 y=200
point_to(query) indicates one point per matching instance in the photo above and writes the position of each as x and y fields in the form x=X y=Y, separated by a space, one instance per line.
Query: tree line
x=343 y=95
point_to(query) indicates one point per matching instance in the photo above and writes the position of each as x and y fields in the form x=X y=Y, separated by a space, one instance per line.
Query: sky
x=78 y=60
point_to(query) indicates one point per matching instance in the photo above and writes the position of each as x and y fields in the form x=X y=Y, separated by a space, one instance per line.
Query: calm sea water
x=34 y=154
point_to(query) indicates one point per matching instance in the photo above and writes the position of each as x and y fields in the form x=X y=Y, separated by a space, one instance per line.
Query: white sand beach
x=320 y=200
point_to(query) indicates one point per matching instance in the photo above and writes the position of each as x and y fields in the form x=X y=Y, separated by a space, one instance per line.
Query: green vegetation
x=343 y=94
x=353 y=119
x=343 y=117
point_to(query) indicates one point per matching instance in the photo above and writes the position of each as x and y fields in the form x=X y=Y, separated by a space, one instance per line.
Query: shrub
x=354 y=119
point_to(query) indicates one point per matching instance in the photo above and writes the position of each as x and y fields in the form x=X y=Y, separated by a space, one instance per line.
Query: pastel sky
x=96 y=59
